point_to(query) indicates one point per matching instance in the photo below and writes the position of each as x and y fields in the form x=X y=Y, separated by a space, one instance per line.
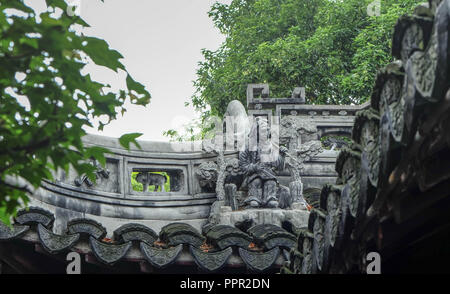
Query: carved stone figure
x=259 y=174
x=100 y=172
x=148 y=179
x=233 y=173
x=207 y=176
x=239 y=127
x=295 y=131
x=301 y=138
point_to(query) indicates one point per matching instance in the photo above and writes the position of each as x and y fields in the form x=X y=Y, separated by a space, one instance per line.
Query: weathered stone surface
x=299 y=217
x=214 y=214
x=180 y=233
x=393 y=180
x=348 y=166
x=207 y=173
x=100 y=172
x=230 y=196
x=224 y=236
x=433 y=158
x=387 y=98
x=296 y=130
x=210 y=261
x=87 y=227
x=285 y=197
x=54 y=243
x=257 y=261
x=296 y=259
x=270 y=236
x=236 y=111
x=299 y=92
x=330 y=203
x=412 y=33
x=296 y=190
x=10 y=233
x=159 y=257
x=135 y=232
x=34 y=216
x=366 y=134
x=317 y=226
x=305 y=248
x=245 y=224
x=108 y=253
x=259 y=163
x=396 y=168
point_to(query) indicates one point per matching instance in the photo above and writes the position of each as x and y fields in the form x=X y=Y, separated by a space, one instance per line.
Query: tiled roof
x=259 y=249
x=392 y=192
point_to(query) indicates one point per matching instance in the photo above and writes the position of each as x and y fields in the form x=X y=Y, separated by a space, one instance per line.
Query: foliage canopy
x=332 y=48
x=45 y=100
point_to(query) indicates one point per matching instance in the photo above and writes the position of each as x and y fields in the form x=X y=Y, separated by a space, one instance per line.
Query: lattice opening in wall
x=156 y=180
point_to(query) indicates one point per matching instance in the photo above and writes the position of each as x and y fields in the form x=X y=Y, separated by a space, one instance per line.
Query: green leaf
x=139 y=89
x=99 y=51
x=30 y=42
x=98 y=153
x=126 y=139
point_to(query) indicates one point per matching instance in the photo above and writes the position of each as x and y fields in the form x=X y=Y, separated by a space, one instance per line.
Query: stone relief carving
x=207 y=176
x=149 y=179
x=301 y=138
x=294 y=131
x=100 y=172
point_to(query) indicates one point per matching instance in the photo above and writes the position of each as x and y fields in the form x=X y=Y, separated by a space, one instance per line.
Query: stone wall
x=392 y=197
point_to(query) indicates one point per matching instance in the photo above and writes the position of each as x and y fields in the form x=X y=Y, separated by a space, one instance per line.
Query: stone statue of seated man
x=259 y=176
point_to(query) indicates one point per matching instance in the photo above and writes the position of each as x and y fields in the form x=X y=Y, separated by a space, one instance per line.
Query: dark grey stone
x=181 y=233
x=54 y=243
x=224 y=236
x=107 y=253
x=8 y=233
x=160 y=257
x=86 y=227
x=34 y=216
x=259 y=261
x=135 y=232
x=211 y=261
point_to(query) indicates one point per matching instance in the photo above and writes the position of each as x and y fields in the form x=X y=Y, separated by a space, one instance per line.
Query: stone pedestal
x=298 y=216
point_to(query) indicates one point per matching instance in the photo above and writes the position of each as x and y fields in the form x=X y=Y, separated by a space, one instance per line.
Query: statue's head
x=259 y=136
x=236 y=120
x=207 y=171
x=141 y=177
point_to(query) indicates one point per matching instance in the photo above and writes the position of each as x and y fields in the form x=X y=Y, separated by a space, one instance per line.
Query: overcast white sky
x=161 y=41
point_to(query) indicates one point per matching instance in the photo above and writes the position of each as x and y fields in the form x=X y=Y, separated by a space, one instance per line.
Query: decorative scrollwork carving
x=108 y=253
x=259 y=261
x=99 y=172
x=207 y=173
x=54 y=243
x=365 y=133
x=211 y=261
x=159 y=257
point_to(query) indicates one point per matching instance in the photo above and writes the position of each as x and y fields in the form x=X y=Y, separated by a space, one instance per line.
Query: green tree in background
x=45 y=100
x=332 y=48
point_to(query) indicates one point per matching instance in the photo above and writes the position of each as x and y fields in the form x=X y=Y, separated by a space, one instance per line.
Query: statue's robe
x=249 y=161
